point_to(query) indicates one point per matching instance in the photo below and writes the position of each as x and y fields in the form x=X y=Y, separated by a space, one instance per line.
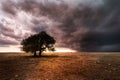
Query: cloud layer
x=80 y=25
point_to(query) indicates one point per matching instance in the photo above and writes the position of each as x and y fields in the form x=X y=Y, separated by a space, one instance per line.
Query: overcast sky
x=83 y=25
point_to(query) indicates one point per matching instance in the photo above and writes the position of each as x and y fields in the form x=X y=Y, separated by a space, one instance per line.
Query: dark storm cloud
x=96 y=41
x=8 y=32
x=4 y=42
x=9 y=7
x=84 y=27
x=4 y=28
x=105 y=36
x=5 y=34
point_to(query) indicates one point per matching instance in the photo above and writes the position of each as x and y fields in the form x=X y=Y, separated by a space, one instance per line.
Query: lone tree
x=38 y=43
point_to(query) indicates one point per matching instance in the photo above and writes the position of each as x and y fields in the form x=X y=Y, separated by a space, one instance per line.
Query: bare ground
x=60 y=66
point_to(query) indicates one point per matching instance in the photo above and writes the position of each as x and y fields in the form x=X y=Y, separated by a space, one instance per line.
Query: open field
x=60 y=66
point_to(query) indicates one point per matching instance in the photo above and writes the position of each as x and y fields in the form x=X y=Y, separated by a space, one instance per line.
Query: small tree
x=38 y=42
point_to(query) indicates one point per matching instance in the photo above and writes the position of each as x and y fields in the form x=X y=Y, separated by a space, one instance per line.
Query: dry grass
x=60 y=66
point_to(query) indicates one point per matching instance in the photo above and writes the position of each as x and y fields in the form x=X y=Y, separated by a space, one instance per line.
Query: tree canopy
x=38 y=42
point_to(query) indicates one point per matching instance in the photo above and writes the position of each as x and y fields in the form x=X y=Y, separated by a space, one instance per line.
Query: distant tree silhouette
x=38 y=42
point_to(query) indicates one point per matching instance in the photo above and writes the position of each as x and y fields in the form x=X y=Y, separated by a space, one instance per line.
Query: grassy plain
x=60 y=66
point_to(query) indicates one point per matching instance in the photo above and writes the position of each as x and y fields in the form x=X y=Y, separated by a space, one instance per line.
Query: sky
x=82 y=25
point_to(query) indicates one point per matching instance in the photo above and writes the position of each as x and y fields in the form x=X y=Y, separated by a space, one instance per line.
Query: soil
x=60 y=66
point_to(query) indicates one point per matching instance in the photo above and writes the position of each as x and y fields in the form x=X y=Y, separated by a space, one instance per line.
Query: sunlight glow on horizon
x=60 y=49
x=10 y=49
x=17 y=49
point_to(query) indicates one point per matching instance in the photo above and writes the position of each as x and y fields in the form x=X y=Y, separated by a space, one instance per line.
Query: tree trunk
x=40 y=52
x=35 y=53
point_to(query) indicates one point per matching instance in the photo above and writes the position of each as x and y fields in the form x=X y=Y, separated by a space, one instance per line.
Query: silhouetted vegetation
x=38 y=43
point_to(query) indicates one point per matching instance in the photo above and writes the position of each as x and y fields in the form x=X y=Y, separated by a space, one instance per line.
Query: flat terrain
x=60 y=66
